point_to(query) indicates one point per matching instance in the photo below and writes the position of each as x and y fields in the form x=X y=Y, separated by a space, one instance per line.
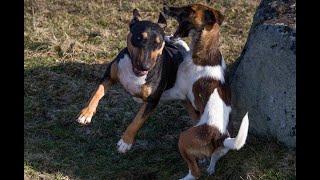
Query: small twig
x=120 y=4
x=54 y=37
x=68 y=37
x=33 y=18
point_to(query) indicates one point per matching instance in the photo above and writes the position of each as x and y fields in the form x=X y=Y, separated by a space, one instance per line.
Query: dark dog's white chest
x=127 y=78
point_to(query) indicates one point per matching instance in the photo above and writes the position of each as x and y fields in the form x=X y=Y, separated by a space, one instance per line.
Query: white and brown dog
x=201 y=82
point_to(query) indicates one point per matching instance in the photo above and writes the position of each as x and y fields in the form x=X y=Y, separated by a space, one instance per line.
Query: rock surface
x=263 y=81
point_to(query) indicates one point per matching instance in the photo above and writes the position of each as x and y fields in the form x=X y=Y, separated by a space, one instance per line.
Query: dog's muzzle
x=139 y=72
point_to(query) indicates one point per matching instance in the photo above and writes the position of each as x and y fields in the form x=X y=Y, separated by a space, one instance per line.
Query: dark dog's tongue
x=139 y=73
x=142 y=73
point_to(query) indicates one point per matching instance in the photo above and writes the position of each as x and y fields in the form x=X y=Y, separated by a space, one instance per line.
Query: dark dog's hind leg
x=128 y=136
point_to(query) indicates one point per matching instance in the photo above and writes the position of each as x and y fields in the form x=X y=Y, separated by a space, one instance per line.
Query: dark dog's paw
x=211 y=169
x=123 y=147
x=189 y=176
x=85 y=116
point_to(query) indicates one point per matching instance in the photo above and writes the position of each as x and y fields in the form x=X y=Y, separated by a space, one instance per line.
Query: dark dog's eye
x=139 y=38
x=156 y=42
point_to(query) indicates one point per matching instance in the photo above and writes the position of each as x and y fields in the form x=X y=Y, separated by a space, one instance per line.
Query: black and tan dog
x=201 y=82
x=145 y=68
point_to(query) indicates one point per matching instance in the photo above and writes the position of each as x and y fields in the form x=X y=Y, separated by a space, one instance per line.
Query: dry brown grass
x=94 y=31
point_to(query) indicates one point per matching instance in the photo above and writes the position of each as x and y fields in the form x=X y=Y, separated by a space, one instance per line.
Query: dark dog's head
x=194 y=17
x=145 y=43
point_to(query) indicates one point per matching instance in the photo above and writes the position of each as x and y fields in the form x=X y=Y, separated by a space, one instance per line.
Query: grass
x=67 y=44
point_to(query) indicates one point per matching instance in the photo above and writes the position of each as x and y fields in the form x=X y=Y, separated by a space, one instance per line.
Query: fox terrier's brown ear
x=213 y=16
x=219 y=16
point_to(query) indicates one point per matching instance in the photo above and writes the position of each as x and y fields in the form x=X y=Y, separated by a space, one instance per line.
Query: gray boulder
x=263 y=79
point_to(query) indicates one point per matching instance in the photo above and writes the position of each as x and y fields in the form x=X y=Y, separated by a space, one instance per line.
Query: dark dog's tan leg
x=87 y=112
x=128 y=137
x=110 y=78
x=193 y=113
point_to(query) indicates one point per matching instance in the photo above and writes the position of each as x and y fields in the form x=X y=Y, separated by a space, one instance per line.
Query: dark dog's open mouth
x=138 y=72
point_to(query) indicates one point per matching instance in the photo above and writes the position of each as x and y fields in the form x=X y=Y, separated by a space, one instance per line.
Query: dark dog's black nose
x=145 y=67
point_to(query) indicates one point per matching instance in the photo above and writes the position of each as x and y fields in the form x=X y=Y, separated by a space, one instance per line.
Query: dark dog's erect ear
x=164 y=3
x=162 y=20
x=212 y=16
x=165 y=8
x=136 y=17
x=136 y=14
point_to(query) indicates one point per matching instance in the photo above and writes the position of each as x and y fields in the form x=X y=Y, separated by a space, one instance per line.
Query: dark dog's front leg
x=109 y=78
x=193 y=113
x=127 y=139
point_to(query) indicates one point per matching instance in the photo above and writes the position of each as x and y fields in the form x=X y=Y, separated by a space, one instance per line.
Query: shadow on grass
x=56 y=146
